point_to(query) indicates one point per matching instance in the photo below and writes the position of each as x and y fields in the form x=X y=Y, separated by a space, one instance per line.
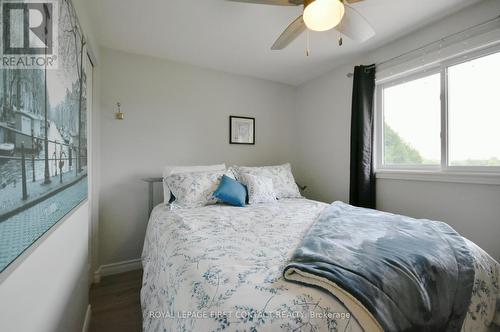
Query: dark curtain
x=362 y=182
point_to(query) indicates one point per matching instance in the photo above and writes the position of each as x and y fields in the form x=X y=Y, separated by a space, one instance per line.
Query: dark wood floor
x=116 y=303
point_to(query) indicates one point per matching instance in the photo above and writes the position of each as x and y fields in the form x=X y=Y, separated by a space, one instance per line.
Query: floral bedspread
x=219 y=268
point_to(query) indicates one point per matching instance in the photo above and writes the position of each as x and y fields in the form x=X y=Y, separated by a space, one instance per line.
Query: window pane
x=474 y=112
x=412 y=122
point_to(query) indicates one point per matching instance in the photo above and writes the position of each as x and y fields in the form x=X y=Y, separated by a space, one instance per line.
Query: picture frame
x=44 y=146
x=241 y=130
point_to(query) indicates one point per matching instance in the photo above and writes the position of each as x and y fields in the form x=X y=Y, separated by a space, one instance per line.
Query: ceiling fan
x=321 y=15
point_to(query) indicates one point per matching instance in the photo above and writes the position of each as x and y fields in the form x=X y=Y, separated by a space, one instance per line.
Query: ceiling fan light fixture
x=323 y=15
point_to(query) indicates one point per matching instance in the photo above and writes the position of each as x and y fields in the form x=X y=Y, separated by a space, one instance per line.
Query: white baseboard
x=86 y=322
x=116 y=268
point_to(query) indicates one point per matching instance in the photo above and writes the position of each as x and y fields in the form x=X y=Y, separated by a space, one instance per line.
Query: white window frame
x=444 y=171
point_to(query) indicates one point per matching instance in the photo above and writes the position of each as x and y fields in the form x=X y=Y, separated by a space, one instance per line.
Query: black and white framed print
x=43 y=125
x=241 y=130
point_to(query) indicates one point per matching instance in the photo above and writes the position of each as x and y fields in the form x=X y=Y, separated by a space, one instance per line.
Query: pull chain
x=308 y=50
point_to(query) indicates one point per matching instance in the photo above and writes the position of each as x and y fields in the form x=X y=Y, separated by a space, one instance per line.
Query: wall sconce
x=119 y=115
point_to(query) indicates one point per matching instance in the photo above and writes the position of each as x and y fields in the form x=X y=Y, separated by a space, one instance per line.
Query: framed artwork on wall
x=241 y=130
x=43 y=127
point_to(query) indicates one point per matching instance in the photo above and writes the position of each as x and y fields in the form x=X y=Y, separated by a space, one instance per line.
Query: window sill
x=433 y=176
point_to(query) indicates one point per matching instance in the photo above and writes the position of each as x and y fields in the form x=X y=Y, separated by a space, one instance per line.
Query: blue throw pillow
x=231 y=192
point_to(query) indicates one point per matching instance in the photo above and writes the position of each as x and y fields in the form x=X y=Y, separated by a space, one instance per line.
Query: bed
x=220 y=268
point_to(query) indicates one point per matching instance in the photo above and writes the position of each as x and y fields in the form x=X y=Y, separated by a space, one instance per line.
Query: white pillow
x=260 y=188
x=169 y=170
x=193 y=189
x=283 y=180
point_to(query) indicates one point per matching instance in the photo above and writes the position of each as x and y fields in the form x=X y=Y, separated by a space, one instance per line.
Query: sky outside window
x=474 y=112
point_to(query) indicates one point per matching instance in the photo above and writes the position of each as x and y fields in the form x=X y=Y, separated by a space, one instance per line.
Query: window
x=412 y=115
x=474 y=112
x=446 y=119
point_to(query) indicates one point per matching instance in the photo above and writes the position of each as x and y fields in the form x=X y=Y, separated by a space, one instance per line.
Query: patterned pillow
x=193 y=189
x=169 y=170
x=260 y=189
x=283 y=180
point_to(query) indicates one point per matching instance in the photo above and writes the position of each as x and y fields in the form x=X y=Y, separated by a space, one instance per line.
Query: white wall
x=323 y=120
x=473 y=210
x=94 y=137
x=175 y=114
x=323 y=127
x=48 y=292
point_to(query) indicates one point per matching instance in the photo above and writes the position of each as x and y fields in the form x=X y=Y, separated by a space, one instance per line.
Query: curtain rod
x=496 y=18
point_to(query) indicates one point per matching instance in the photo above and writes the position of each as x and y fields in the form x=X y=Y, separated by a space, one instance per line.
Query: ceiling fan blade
x=295 y=29
x=269 y=2
x=353 y=1
x=355 y=26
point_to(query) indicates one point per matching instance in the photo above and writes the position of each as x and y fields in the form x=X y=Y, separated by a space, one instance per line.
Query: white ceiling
x=236 y=37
